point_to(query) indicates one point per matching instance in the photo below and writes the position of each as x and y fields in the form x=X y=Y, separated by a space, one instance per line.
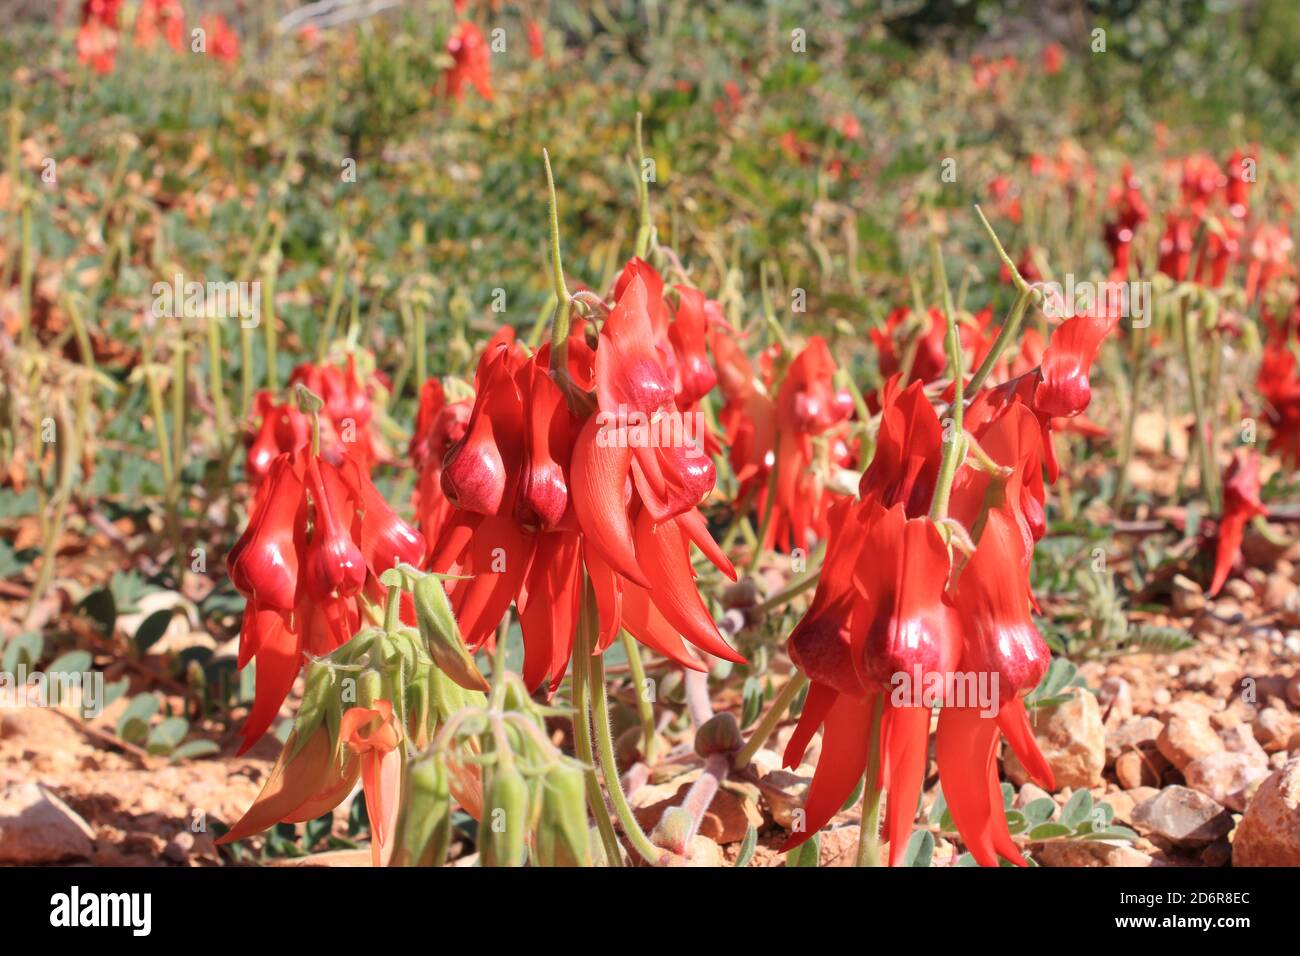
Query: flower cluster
x=550 y=478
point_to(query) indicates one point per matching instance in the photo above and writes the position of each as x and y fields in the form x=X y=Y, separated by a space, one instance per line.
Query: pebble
x=1269 y=832
x=1131 y=770
x=38 y=827
x=1183 y=817
x=1187 y=738
x=1227 y=778
x=1273 y=728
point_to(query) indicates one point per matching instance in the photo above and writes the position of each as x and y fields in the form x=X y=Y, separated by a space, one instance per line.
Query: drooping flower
x=160 y=18
x=222 y=42
x=471 y=62
x=1241 y=504
x=1279 y=385
x=319 y=534
x=543 y=492
x=890 y=615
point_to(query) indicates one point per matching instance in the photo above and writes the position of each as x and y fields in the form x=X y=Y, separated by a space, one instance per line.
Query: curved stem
x=1006 y=335
x=609 y=765
x=560 y=325
x=582 y=732
x=645 y=709
x=798 y=680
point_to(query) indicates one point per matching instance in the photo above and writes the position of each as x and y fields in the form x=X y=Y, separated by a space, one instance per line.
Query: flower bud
x=442 y=636
x=720 y=734
x=424 y=830
x=563 y=838
x=505 y=819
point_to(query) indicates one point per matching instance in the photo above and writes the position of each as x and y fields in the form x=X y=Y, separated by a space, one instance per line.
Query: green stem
x=1137 y=353
x=1006 y=335
x=955 y=447
x=582 y=730
x=797 y=682
x=609 y=766
x=645 y=709
x=643 y=198
x=1204 y=440
x=560 y=325
x=869 y=834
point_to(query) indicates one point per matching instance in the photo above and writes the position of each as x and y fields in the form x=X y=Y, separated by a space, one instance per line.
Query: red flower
x=1241 y=504
x=1270 y=257
x=886 y=614
x=535 y=48
x=542 y=492
x=318 y=535
x=283 y=429
x=808 y=406
x=439 y=424
x=97 y=46
x=376 y=738
x=1053 y=58
x=1065 y=389
x=156 y=18
x=349 y=410
x=472 y=62
x=1279 y=385
x=222 y=42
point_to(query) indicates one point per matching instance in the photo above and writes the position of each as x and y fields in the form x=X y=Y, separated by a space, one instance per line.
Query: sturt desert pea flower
x=1240 y=169
x=1241 y=504
x=1279 y=385
x=283 y=429
x=1130 y=213
x=885 y=606
x=97 y=46
x=1201 y=180
x=472 y=62
x=318 y=535
x=747 y=416
x=439 y=424
x=349 y=428
x=1176 y=246
x=1270 y=257
x=221 y=41
x=536 y=50
x=155 y=18
x=543 y=492
x=809 y=409
x=376 y=738
x=1053 y=58
x=1222 y=248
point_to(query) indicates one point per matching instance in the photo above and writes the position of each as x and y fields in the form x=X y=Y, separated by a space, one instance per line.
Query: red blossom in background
x=472 y=62
x=1241 y=504
x=160 y=18
x=222 y=42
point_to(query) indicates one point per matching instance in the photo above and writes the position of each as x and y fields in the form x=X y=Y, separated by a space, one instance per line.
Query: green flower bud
x=505 y=819
x=424 y=830
x=563 y=837
x=442 y=636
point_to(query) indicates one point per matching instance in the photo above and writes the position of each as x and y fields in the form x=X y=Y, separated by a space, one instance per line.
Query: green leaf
x=1048 y=831
x=133 y=724
x=318 y=829
x=152 y=628
x=753 y=697
x=747 y=846
x=1008 y=795
x=193 y=749
x=1112 y=833
x=23 y=649
x=853 y=797
x=920 y=849
x=939 y=808
x=73 y=662
x=166 y=736
x=1040 y=810
x=101 y=607
x=966 y=860
x=1017 y=822
x=1077 y=809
